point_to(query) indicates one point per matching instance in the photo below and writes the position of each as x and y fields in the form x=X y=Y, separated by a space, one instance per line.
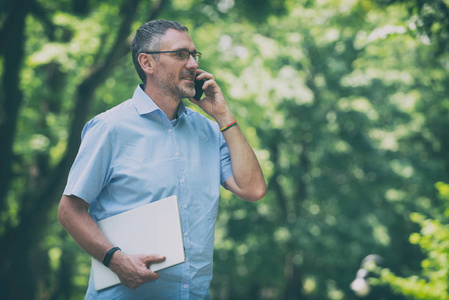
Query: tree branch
x=36 y=205
x=99 y=73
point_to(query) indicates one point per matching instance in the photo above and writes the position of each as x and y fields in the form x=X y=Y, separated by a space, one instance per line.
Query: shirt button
x=185 y=286
x=184 y=206
x=182 y=180
x=186 y=234
x=170 y=130
x=177 y=154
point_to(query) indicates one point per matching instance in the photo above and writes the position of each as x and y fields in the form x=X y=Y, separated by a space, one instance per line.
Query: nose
x=192 y=63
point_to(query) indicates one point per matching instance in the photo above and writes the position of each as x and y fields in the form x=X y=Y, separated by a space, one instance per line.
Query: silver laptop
x=154 y=228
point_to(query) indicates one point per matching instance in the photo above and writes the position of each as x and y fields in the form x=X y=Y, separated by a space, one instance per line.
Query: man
x=151 y=147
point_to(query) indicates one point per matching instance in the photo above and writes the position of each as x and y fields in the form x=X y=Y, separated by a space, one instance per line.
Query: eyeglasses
x=180 y=54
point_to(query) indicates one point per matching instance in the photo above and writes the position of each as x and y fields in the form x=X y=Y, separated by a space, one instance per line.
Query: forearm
x=247 y=180
x=131 y=269
x=247 y=173
x=74 y=217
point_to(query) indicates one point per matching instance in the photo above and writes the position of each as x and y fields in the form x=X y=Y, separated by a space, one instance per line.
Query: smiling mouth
x=188 y=76
x=189 y=81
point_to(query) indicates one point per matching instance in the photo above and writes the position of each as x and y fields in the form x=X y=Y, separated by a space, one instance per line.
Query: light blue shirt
x=133 y=154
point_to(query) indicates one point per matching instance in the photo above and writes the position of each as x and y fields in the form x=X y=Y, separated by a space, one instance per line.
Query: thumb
x=194 y=101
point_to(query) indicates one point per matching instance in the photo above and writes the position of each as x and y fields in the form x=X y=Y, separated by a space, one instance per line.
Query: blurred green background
x=346 y=103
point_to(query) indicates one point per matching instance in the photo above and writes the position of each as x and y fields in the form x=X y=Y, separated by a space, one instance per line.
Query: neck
x=167 y=103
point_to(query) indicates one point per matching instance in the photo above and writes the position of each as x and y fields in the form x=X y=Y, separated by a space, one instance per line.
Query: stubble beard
x=186 y=91
x=175 y=86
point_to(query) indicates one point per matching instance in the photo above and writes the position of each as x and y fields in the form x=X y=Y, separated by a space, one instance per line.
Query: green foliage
x=433 y=239
x=344 y=102
x=335 y=123
x=431 y=19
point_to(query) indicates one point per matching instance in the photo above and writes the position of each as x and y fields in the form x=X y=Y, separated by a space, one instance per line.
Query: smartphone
x=199 y=89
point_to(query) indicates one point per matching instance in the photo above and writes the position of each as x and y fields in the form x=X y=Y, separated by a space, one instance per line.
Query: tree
x=431 y=19
x=336 y=96
x=56 y=58
x=43 y=175
x=432 y=282
x=343 y=101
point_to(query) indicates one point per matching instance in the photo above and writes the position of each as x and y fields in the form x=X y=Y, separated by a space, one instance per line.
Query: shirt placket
x=183 y=206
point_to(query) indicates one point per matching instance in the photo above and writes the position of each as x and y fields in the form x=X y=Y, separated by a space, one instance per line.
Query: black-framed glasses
x=180 y=54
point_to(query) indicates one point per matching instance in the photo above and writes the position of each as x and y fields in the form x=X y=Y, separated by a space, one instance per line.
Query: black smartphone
x=198 y=89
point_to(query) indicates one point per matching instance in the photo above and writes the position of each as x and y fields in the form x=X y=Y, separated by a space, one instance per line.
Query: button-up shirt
x=132 y=155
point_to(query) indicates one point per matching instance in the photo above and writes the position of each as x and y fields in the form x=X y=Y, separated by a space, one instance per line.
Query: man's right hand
x=133 y=270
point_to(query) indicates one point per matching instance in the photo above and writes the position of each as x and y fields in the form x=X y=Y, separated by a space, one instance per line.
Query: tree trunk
x=12 y=39
x=293 y=279
x=20 y=245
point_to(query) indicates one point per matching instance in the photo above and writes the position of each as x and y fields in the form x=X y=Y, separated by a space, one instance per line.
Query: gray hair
x=148 y=38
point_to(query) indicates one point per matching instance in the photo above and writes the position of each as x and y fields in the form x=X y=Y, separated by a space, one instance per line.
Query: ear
x=146 y=62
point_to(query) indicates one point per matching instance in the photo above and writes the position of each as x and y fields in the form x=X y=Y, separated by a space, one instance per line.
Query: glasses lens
x=197 y=56
x=183 y=54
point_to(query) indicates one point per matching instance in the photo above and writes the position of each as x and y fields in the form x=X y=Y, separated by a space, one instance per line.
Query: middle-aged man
x=151 y=147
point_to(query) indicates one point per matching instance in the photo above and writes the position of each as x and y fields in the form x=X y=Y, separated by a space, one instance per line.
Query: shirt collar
x=145 y=105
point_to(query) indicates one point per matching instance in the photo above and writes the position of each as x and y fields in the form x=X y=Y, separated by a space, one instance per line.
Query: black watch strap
x=107 y=258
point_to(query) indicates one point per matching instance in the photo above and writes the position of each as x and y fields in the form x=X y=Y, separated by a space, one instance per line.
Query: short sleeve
x=92 y=168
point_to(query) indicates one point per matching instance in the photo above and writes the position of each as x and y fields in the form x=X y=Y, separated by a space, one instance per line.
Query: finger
x=199 y=71
x=204 y=75
x=208 y=83
x=147 y=277
x=193 y=101
x=153 y=258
